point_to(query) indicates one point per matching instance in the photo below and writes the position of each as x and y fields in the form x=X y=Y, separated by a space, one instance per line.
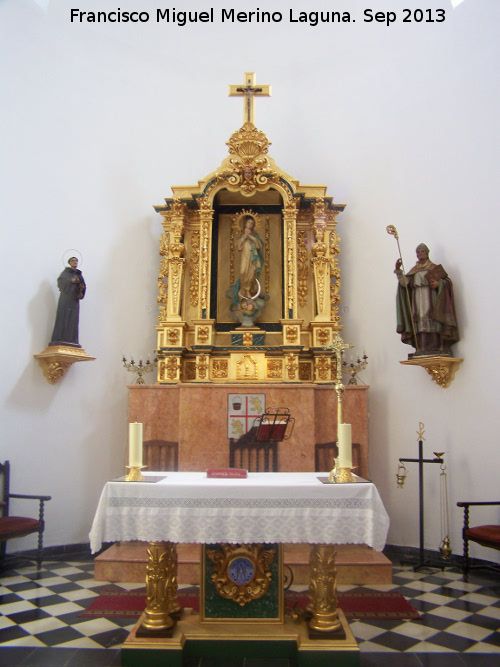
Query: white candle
x=135 y=445
x=345 y=445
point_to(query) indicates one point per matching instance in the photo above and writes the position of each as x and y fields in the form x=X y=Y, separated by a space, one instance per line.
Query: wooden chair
x=13 y=527
x=253 y=455
x=325 y=452
x=487 y=536
x=161 y=455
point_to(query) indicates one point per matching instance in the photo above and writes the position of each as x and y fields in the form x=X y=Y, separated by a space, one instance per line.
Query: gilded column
x=162 y=298
x=176 y=262
x=321 y=264
x=290 y=259
x=334 y=252
x=206 y=215
x=161 y=588
x=194 y=251
x=302 y=267
x=323 y=589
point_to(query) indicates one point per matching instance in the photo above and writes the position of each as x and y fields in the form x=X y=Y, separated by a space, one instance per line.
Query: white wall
x=99 y=120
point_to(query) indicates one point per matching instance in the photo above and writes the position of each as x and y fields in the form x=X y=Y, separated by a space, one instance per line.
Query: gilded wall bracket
x=57 y=359
x=441 y=369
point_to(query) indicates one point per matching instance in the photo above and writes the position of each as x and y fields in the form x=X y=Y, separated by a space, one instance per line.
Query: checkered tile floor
x=40 y=625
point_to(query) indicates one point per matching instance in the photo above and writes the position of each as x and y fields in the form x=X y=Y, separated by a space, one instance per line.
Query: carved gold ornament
x=303 y=273
x=291 y=335
x=247 y=339
x=173 y=336
x=57 y=359
x=323 y=368
x=249 y=169
x=220 y=368
x=55 y=370
x=289 y=258
x=203 y=334
x=194 y=263
x=305 y=372
x=247 y=368
x=162 y=297
x=323 y=336
x=172 y=368
x=335 y=282
x=241 y=572
x=274 y=368
x=202 y=366
x=292 y=366
x=206 y=215
x=441 y=369
x=190 y=370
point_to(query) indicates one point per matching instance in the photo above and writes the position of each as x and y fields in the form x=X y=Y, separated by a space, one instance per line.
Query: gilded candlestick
x=134 y=474
x=345 y=476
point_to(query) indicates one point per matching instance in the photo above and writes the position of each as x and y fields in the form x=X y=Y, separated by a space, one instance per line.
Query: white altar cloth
x=264 y=507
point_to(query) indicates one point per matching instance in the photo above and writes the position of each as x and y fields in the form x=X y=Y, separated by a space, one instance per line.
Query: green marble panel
x=257 y=340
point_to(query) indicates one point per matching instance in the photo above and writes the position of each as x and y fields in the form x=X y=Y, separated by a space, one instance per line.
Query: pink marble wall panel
x=196 y=417
x=157 y=407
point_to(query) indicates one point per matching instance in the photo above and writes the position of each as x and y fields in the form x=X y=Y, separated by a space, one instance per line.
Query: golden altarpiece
x=249 y=294
x=276 y=329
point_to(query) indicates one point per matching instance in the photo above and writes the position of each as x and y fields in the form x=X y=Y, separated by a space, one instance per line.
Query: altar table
x=186 y=507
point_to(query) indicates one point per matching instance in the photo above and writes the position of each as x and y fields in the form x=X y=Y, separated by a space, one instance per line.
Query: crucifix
x=249 y=91
x=339 y=346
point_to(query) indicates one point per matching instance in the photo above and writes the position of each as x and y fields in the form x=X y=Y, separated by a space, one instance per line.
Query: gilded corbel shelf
x=55 y=360
x=441 y=369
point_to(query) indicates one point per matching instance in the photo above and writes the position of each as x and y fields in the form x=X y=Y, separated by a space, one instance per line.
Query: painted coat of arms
x=242 y=412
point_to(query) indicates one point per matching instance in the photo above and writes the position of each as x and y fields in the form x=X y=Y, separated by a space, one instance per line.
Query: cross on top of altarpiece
x=249 y=91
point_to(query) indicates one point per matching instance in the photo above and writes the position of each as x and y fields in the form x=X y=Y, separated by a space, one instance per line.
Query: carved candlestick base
x=345 y=476
x=134 y=474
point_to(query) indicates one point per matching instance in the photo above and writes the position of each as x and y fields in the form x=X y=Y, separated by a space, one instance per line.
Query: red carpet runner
x=366 y=605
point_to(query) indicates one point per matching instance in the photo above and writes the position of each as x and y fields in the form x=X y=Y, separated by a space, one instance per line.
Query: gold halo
x=239 y=220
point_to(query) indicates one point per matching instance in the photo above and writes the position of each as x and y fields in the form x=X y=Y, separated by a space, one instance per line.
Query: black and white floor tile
x=40 y=622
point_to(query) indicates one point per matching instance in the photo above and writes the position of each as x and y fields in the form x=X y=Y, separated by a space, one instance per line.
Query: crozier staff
x=72 y=286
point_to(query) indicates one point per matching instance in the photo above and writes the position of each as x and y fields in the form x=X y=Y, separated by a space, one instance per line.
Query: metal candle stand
x=139 y=369
x=422 y=562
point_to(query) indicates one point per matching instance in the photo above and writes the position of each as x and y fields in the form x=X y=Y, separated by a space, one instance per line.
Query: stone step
x=356 y=564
